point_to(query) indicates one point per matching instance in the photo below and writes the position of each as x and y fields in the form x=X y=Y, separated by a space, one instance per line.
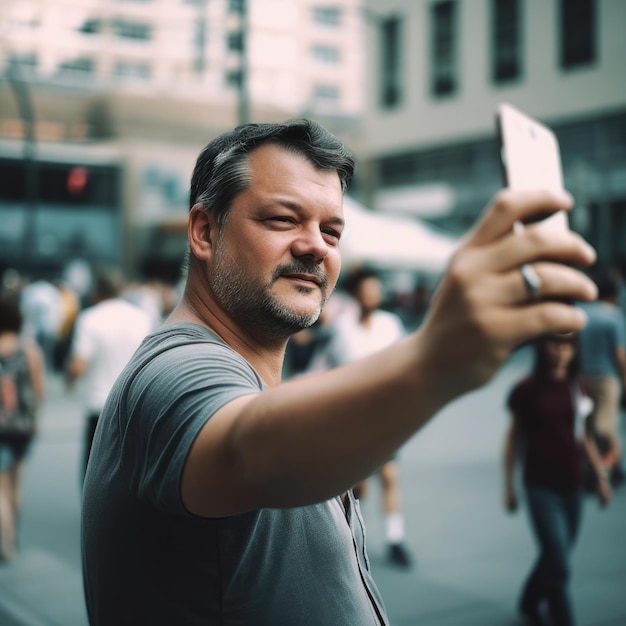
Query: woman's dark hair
x=222 y=171
x=541 y=365
x=10 y=314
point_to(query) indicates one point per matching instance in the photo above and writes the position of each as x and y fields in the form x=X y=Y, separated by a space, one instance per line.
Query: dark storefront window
x=506 y=41
x=390 y=62
x=444 y=73
x=578 y=32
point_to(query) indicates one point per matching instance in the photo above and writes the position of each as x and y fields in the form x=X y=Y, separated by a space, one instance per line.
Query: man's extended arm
x=312 y=438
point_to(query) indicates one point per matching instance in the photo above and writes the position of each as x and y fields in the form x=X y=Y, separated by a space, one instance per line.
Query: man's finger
x=556 y=281
x=535 y=244
x=510 y=206
x=529 y=322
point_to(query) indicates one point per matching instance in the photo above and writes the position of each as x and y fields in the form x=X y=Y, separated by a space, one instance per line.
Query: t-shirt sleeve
x=168 y=404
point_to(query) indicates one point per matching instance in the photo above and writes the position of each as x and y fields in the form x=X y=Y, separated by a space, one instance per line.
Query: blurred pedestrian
x=42 y=310
x=550 y=435
x=22 y=375
x=106 y=335
x=216 y=495
x=155 y=297
x=603 y=364
x=358 y=332
x=306 y=349
x=70 y=307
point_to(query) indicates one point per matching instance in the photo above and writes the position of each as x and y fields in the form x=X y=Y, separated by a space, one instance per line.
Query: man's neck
x=366 y=316
x=264 y=354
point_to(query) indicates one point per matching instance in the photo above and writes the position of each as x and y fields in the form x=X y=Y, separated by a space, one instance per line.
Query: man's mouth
x=310 y=278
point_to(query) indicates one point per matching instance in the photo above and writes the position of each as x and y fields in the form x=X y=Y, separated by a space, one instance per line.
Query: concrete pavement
x=470 y=556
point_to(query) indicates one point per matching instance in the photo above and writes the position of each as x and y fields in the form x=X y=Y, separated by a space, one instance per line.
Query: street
x=470 y=556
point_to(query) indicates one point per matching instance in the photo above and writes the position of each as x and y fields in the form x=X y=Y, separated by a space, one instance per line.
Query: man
x=603 y=363
x=214 y=495
x=106 y=335
x=359 y=331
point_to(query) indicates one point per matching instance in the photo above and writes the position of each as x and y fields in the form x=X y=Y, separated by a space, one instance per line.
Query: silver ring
x=531 y=280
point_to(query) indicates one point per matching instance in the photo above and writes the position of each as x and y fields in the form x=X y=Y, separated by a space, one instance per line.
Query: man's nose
x=310 y=242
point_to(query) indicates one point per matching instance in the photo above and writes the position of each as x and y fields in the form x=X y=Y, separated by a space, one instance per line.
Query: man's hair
x=222 y=171
x=108 y=282
x=353 y=280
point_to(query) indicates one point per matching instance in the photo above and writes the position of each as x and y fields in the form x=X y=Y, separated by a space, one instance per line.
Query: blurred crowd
x=86 y=324
x=50 y=306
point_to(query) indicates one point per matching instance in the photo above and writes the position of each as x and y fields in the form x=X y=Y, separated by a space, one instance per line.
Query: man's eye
x=331 y=232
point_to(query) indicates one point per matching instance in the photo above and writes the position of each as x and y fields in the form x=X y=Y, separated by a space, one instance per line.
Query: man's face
x=276 y=259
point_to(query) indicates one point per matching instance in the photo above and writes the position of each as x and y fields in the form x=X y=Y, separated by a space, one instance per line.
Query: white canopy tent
x=392 y=242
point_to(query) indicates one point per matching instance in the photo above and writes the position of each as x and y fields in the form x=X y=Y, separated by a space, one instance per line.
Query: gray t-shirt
x=146 y=560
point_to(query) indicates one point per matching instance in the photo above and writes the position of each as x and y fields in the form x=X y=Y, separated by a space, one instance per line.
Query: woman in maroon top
x=549 y=436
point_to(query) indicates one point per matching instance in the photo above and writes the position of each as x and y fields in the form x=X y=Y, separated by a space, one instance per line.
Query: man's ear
x=201 y=231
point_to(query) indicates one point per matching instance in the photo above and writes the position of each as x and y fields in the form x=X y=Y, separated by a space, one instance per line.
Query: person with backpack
x=22 y=373
x=551 y=435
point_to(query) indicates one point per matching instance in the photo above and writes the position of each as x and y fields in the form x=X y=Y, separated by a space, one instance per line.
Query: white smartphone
x=530 y=158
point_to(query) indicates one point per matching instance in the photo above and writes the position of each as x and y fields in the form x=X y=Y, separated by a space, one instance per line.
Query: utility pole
x=243 y=110
x=200 y=40
x=31 y=178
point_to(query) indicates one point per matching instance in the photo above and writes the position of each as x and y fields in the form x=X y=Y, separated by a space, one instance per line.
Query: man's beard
x=252 y=304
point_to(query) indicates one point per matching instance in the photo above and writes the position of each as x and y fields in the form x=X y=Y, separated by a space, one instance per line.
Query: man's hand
x=483 y=308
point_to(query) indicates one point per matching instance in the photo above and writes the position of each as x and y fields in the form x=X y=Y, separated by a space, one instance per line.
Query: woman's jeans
x=555 y=518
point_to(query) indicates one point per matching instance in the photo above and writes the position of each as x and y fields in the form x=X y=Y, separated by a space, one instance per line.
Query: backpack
x=17 y=396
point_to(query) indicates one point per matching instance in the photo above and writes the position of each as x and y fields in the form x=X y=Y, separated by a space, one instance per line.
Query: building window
x=578 y=32
x=506 y=41
x=132 y=30
x=26 y=61
x=91 y=26
x=77 y=66
x=326 y=93
x=234 y=79
x=237 y=6
x=444 y=48
x=390 y=62
x=326 y=54
x=131 y=70
x=235 y=41
x=327 y=15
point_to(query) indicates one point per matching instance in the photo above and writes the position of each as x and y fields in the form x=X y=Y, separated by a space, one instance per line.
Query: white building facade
x=442 y=66
x=299 y=55
x=105 y=105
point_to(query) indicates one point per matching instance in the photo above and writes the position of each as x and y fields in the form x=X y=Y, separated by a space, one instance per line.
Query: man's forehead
x=275 y=164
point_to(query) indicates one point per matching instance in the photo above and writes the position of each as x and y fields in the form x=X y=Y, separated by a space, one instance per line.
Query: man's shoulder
x=115 y=308
x=388 y=315
x=185 y=343
x=389 y=319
